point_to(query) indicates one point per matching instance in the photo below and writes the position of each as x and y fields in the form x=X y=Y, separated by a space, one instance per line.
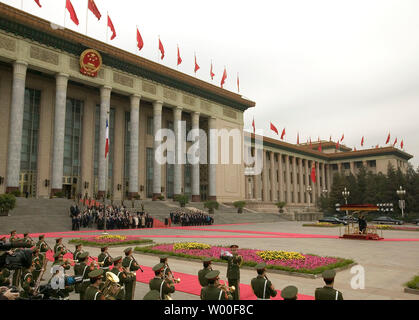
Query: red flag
x=179 y=59
x=110 y=25
x=161 y=48
x=273 y=128
x=320 y=147
x=354 y=148
x=72 y=12
x=212 y=73
x=330 y=139
x=401 y=144
x=238 y=83
x=362 y=142
x=196 y=65
x=337 y=145
x=343 y=137
x=140 y=42
x=298 y=138
x=395 y=141
x=313 y=173
x=254 y=128
x=92 y=7
x=223 y=79
x=376 y=147
x=388 y=138
x=37 y=2
x=283 y=134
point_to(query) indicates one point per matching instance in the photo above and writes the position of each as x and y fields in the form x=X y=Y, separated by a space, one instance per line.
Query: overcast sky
x=315 y=67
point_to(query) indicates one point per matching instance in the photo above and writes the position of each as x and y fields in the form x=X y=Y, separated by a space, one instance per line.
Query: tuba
x=111 y=287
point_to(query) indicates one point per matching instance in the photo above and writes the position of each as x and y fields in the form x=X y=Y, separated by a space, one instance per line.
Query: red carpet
x=189 y=283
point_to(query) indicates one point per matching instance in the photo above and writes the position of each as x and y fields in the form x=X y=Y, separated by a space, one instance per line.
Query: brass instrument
x=226 y=288
x=170 y=277
x=111 y=287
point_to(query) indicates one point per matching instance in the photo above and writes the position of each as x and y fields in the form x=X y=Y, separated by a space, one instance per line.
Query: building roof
x=31 y=27
x=346 y=153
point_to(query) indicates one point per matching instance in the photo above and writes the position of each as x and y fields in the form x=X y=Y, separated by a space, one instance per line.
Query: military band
x=262 y=287
x=203 y=281
x=161 y=283
x=105 y=260
x=214 y=290
x=131 y=266
x=234 y=261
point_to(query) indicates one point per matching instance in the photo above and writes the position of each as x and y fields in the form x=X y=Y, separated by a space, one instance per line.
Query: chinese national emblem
x=90 y=62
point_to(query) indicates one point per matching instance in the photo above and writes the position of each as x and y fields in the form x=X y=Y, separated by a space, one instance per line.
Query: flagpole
x=21 y=5
x=107 y=28
x=65 y=9
x=87 y=15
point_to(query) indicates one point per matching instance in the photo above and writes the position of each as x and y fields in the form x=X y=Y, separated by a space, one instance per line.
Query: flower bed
x=322 y=225
x=388 y=227
x=190 y=246
x=279 y=260
x=110 y=240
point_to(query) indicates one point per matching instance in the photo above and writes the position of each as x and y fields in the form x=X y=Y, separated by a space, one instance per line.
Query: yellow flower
x=280 y=255
x=190 y=246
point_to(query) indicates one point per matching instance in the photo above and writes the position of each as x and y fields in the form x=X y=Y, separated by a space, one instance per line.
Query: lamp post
x=345 y=194
x=401 y=193
x=309 y=189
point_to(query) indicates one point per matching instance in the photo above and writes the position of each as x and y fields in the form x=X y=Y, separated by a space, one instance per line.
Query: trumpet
x=112 y=286
x=170 y=277
x=226 y=288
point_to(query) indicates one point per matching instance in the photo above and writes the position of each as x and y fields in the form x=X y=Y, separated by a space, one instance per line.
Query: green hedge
x=413 y=284
x=7 y=202
x=110 y=244
x=340 y=264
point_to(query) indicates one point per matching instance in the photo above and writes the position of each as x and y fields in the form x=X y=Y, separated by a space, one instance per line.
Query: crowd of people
x=117 y=217
x=189 y=217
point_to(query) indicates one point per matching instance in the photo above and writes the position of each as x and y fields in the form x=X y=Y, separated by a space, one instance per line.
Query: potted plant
x=7 y=203
x=281 y=205
x=161 y=197
x=211 y=205
x=239 y=205
x=182 y=199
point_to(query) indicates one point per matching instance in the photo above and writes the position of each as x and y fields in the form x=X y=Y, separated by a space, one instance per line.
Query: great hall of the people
x=53 y=126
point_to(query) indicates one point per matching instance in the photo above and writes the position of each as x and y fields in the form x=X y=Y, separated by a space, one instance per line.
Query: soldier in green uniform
x=93 y=292
x=37 y=260
x=122 y=275
x=203 y=272
x=104 y=259
x=63 y=294
x=327 y=292
x=27 y=240
x=4 y=277
x=43 y=249
x=152 y=295
x=131 y=265
x=16 y=273
x=166 y=269
x=82 y=269
x=214 y=291
x=262 y=287
x=163 y=285
x=77 y=252
x=13 y=236
x=233 y=270
x=289 y=293
x=59 y=246
x=27 y=283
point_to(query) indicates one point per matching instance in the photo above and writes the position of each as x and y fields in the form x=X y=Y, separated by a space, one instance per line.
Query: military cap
x=127 y=250
x=212 y=275
x=42 y=236
x=289 y=292
x=158 y=267
x=329 y=274
x=78 y=245
x=83 y=255
x=117 y=259
x=104 y=248
x=13 y=231
x=164 y=256
x=95 y=273
x=152 y=295
x=25 y=234
x=58 y=239
x=207 y=260
x=234 y=246
x=260 y=266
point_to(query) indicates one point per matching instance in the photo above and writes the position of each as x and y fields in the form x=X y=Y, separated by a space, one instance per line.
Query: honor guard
x=327 y=292
x=262 y=287
x=27 y=240
x=214 y=290
x=77 y=252
x=4 y=277
x=233 y=270
x=82 y=269
x=203 y=272
x=289 y=293
x=13 y=236
x=27 y=283
x=163 y=285
x=152 y=295
x=38 y=264
x=121 y=273
x=92 y=292
x=104 y=259
x=131 y=266
x=59 y=246
x=166 y=269
x=62 y=294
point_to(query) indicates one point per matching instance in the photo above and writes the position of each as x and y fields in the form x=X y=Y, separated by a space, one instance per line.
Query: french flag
x=107 y=139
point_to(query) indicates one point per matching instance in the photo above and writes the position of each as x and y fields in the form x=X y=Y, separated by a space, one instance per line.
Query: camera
x=20 y=259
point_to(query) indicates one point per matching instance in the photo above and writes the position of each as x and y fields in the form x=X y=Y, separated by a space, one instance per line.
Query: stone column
x=300 y=168
x=177 y=126
x=16 y=125
x=195 y=167
x=329 y=177
x=157 y=120
x=265 y=177
x=352 y=167
x=281 y=178
x=324 y=177
x=273 y=178
x=59 y=133
x=308 y=195
x=134 y=138
x=258 y=187
x=294 y=180
x=288 y=178
x=105 y=103
x=339 y=168
x=319 y=191
x=212 y=167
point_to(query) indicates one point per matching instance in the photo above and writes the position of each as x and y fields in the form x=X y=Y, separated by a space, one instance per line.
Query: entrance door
x=67 y=190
